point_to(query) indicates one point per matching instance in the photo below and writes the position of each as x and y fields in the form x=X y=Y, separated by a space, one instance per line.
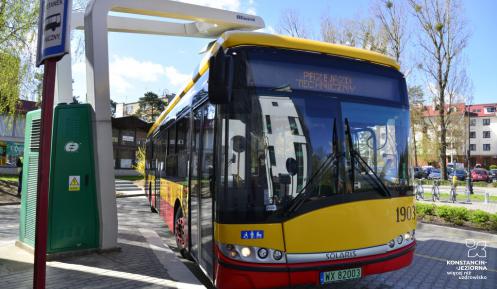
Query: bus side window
x=182 y=148
x=171 y=161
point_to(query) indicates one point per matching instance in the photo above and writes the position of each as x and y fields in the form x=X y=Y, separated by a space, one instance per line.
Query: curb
x=10 y=204
x=462 y=232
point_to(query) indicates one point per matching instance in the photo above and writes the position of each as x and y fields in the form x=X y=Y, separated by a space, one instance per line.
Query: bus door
x=201 y=187
x=158 y=169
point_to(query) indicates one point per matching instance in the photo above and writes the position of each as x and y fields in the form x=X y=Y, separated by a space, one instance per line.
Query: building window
x=299 y=156
x=486 y=121
x=472 y=122
x=127 y=137
x=472 y=134
x=268 y=124
x=486 y=134
x=293 y=125
x=272 y=157
x=486 y=147
x=472 y=147
x=490 y=109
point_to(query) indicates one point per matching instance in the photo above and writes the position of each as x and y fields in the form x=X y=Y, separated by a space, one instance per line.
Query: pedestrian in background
x=19 y=168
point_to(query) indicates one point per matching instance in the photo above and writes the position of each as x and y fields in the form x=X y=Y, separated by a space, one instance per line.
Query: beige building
x=472 y=127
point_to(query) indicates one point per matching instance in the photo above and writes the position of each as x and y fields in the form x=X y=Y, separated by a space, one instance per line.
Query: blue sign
x=252 y=234
x=53 y=29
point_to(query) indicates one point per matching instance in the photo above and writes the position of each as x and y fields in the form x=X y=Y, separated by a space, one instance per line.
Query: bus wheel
x=179 y=233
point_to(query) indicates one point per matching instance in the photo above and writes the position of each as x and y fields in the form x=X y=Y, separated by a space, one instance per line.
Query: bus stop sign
x=53 y=28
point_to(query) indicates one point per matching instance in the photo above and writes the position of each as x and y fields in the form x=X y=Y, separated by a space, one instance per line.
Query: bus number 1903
x=406 y=213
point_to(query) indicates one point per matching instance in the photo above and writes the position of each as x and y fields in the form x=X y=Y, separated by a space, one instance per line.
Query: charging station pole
x=53 y=43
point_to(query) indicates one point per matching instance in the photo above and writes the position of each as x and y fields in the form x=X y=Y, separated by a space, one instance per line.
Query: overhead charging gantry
x=204 y=22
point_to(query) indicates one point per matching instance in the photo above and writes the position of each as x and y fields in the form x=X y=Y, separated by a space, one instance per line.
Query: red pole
x=47 y=102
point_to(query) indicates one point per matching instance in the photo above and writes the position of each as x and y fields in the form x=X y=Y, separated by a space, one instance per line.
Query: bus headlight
x=262 y=253
x=407 y=236
x=231 y=251
x=391 y=243
x=277 y=255
x=252 y=254
x=400 y=239
x=245 y=252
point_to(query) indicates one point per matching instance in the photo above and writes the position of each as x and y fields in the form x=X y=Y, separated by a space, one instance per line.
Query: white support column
x=98 y=95
x=63 y=81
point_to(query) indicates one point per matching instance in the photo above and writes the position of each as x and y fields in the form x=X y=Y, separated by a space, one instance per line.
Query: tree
x=362 y=33
x=18 y=21
x=291 y=24
x=151 y=107
x=443 y=38
x=416 y=115
x=393 y=20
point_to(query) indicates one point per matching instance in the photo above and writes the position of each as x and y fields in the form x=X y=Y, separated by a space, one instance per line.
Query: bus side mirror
x=220 y=77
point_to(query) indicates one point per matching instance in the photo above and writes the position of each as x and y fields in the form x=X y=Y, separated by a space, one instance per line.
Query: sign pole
x=47 y=102
x=53 y=43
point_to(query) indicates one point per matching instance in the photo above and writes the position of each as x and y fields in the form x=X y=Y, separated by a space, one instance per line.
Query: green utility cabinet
x=73 y=222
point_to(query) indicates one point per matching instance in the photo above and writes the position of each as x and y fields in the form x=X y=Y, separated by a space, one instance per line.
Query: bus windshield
x=286 y=139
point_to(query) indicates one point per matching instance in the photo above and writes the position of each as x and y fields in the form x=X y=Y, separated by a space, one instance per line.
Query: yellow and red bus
x=284 y=162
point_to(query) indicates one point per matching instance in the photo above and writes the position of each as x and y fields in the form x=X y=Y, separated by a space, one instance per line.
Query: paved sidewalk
x=126 y=188
x=145 y=260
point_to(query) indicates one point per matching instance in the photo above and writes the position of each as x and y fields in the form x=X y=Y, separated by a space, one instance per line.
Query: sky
x=163 y=64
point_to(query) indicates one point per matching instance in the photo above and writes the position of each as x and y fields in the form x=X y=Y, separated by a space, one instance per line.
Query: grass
x=130 y=178
x=10 y=178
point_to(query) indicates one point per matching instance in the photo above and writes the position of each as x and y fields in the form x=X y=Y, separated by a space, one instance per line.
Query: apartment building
x=483 y=133
x=472 y=127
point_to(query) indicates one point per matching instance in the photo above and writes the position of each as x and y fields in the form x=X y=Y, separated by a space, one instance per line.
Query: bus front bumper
x=242 y=275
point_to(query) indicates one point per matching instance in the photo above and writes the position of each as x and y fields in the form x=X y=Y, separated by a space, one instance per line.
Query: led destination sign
x=326 y=82
x=303 y=75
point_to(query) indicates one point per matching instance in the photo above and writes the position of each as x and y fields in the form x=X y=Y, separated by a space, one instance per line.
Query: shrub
x=492 y=222
x=442 y=212
x=140 y=161
x=479 y=217
x=425 y=209
x=456 y=215
x=493 y=167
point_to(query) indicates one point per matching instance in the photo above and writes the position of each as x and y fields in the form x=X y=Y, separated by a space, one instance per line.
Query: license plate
x=339 y=275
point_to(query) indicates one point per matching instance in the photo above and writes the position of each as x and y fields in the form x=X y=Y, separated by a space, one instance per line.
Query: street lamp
x=469 y=185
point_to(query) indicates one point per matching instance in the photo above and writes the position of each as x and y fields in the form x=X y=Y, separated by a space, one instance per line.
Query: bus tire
x=179 y=233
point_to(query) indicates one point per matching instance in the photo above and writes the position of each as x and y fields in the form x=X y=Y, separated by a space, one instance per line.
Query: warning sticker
x=74 y=183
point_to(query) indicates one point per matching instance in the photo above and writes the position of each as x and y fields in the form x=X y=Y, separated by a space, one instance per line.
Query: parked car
x=427 y=170
x=435 y=174
x=460 y=174
x=493 y=175
x=419 y=173
x=479 y=175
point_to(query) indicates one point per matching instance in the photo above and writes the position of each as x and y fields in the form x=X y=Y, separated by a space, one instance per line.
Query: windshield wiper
x=331 y=160
x=355 y=155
